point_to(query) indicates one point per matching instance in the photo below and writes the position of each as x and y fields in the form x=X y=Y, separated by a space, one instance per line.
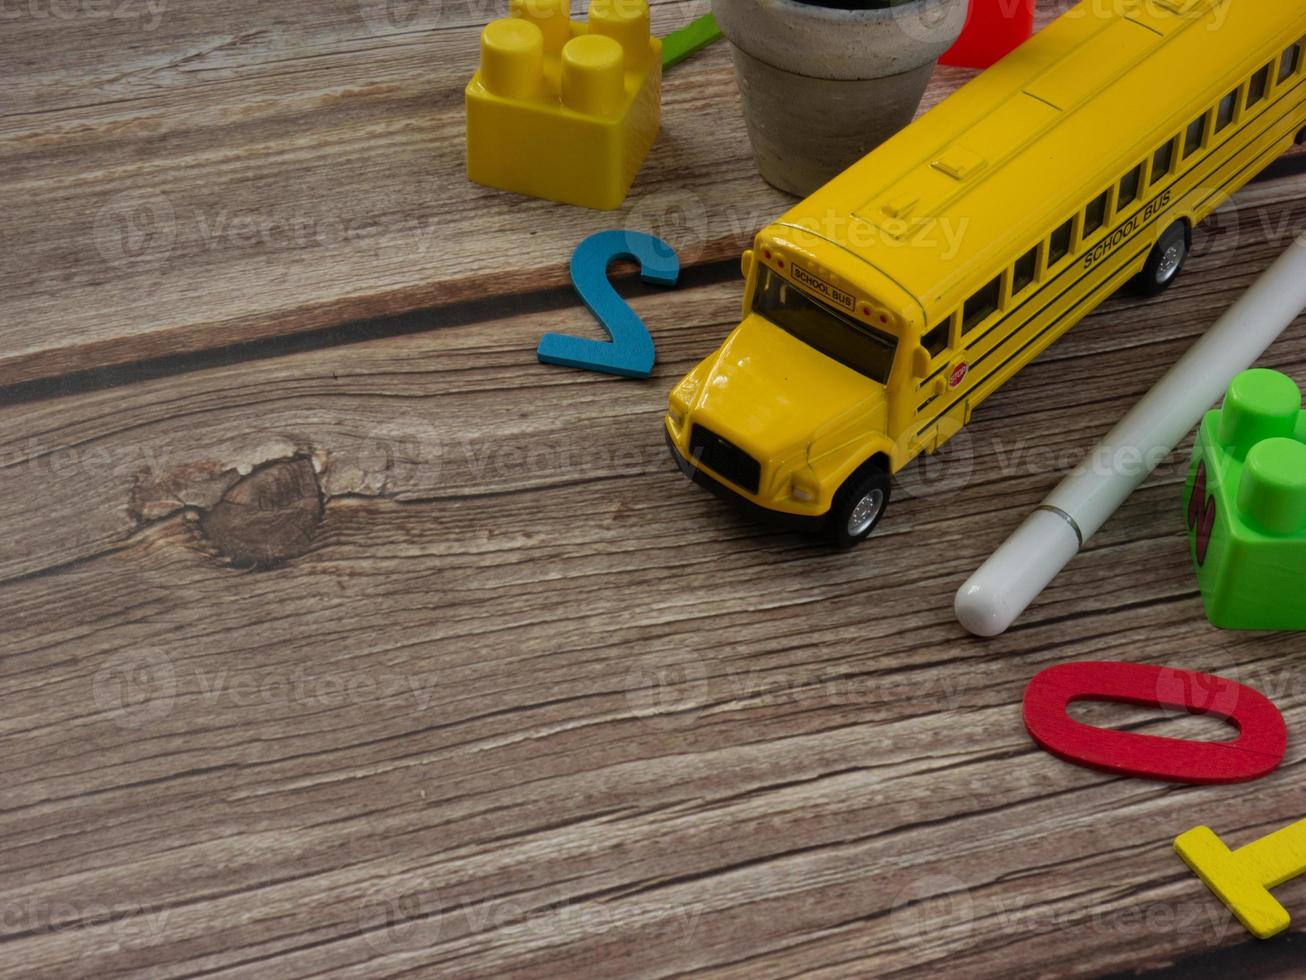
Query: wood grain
x=200 y=175
x=306 y=169
x=383 y=650
x=530 y=705
x=439 y=414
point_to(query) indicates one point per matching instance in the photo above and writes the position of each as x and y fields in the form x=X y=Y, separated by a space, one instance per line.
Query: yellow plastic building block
x=1242 y=879
x=565 y=110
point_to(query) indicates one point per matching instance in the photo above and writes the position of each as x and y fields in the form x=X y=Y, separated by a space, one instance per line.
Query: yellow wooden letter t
x=1243 y=878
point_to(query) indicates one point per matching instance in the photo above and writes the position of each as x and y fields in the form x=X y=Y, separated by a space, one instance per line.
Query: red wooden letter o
x=1256 y=752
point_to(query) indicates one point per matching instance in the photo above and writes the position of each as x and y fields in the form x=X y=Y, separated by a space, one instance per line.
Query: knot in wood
x=268 y=517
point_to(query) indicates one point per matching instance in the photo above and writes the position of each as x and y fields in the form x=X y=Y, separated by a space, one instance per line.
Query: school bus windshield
x=855 y=345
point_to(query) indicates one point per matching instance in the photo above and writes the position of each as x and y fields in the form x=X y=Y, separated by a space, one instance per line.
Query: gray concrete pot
x=822 y=87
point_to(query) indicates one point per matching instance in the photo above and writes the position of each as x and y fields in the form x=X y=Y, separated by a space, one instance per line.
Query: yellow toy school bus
x=881 y=310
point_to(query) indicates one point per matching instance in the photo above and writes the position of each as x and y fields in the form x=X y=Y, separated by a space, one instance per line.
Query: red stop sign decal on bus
x=958 y=374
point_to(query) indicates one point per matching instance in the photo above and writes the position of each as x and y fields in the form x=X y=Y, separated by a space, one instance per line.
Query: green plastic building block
x=1247 y=506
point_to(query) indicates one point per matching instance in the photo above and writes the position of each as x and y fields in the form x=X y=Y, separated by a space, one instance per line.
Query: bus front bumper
x=764 y=515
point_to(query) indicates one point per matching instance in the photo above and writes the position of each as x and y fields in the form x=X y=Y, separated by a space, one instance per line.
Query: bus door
x=942 y=407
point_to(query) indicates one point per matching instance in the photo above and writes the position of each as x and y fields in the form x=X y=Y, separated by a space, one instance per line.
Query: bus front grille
x=725 y=459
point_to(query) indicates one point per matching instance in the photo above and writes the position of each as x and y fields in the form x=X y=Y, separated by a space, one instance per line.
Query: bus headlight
x=681 y=397
x=803 y=489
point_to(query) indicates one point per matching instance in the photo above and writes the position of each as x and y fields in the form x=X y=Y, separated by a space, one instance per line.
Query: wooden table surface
x=342 y=637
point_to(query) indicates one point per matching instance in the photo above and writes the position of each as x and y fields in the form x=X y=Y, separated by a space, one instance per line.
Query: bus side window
x=1129 y=188
x=1022 y=277
x=1162 y=162
x=1195 y=137
x=981 y=306
x=1059 y=244
x=1260 y=84
x=1290 y=61
x=1095 y=214
x=1224 y=114
x=936 y=341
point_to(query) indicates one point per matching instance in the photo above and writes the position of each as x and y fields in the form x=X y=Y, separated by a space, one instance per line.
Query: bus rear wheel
x=858 y=507
x=1165 y=261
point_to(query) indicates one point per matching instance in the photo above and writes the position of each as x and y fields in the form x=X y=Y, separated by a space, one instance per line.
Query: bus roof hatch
x=925 y=191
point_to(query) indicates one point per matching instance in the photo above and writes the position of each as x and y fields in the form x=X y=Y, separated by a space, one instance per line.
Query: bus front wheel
x=1165 y=261
x=858 y=507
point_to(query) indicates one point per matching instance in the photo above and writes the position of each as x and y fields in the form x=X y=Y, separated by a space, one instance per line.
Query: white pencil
x=1022 y=567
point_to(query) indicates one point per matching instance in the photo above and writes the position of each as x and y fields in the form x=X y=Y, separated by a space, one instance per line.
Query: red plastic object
x=994 y=28
x=1256 y=752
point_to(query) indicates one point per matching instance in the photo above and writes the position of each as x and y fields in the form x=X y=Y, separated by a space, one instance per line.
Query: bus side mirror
x=746 y=263
x=920 y=362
